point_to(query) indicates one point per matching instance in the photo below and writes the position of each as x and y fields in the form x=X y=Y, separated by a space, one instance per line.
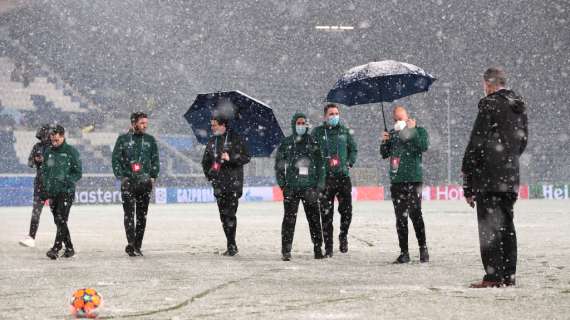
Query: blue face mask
x=333 y=121
x=301 y=130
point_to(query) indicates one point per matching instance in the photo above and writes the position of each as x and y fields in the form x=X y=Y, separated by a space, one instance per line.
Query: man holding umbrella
x=491 y=176
x=300 y=173
x=225 y=155
x=340 y=151
x=404 y=146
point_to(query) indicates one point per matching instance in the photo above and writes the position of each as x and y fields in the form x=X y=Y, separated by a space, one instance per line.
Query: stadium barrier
x=18 y=191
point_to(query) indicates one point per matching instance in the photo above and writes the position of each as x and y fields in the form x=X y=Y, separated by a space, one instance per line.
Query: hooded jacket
x=499 y=137
x=299 y=163
x=338 y=142
x=39 y=149
x=61 y=170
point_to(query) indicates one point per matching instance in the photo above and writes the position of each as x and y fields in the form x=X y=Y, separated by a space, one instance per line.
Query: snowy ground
x=182 y=275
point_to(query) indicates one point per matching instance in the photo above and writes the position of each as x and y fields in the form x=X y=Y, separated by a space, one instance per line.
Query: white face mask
x=399 y=125
x=300 y=129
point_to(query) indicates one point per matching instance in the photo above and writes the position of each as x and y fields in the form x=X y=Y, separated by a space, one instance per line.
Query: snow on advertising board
x=98 y=196
x=455 y=192
x=202 y=195
x=18 y=191
x=550 y=192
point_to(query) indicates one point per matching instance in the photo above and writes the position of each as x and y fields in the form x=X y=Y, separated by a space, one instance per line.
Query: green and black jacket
x=299 y=151
x=407 y=145
x=337 y=141
x=136 y=148
x=61 y=170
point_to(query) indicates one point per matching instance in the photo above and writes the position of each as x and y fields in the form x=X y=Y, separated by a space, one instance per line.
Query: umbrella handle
x=384 y=118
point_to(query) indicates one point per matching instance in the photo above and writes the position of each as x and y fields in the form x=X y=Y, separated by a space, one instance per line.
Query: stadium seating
x=15 y=95
x=289 y=68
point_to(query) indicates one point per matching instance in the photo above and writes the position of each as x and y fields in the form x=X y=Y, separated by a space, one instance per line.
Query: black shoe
x=403 y=258
x=130 y=250
x=69 y=252
x=138 y=252
x=424 y=255
x=510 y=281
x=343 y=243
x=328 y=251
x=318 y=252
x=232 y=251
x=286 y=256
x=52 y=254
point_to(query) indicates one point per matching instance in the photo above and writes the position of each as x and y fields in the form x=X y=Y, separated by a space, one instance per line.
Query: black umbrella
x=378 y=82
x=251 y=118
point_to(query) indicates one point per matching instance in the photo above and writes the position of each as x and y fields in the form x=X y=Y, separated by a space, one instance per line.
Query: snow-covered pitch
x=183 y=275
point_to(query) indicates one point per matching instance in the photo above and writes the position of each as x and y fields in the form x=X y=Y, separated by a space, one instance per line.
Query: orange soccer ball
x=85 y=303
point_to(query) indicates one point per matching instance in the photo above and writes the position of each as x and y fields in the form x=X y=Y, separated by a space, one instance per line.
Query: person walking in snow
x=339 y=150
x=300 y=173
x=136 y=163
x=225 y=155
x=36 y=160
x=61 y=171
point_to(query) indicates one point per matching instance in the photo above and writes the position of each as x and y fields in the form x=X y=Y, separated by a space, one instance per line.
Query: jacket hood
x=43 y=132
x=296 y=116
x=514 y=101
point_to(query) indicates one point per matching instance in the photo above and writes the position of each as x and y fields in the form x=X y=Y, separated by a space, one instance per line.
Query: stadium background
x=88 y=64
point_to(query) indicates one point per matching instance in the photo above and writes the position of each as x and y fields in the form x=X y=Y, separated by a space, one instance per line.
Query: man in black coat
x=491 y=176
x=223 y=161
x=36 y=160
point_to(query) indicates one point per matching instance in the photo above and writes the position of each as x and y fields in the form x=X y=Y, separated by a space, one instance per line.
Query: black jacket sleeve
x=35 y=151
x=208 y=160
x=476 y=145
x=524 y=138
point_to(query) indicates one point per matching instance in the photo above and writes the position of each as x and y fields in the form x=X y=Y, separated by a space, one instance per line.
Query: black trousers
x=38 y=206
x=227 y=205
x=135 y=206
x=407 y=200
x=497 y=235
x=341 y=188
x=60 y=206
x=291 y=199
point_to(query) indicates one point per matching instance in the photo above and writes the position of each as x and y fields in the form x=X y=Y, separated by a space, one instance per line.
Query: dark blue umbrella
x=251 y=118
x=377 y=82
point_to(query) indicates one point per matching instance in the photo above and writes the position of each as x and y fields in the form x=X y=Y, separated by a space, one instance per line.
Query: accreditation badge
x=334 y=161
x=394 y=164
x=136 y=167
